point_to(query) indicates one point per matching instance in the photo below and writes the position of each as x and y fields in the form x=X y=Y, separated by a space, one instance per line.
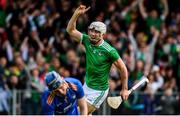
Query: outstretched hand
x=81 y=10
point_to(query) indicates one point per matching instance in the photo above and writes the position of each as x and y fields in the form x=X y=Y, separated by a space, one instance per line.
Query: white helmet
x=99 y=26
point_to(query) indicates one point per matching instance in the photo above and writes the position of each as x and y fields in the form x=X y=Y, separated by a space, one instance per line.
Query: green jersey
x=98 y=63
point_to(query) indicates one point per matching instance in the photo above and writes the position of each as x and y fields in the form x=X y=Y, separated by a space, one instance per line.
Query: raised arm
x=131 y=37
x=129 y=8
x=71 y=27
x=124 y=77
x=142 y=9
x=166 y=9
x=155 y=33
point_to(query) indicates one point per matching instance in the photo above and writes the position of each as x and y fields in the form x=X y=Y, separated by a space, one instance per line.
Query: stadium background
x=33 y=41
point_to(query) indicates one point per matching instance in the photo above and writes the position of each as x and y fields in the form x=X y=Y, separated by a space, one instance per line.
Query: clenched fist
x=81 y=10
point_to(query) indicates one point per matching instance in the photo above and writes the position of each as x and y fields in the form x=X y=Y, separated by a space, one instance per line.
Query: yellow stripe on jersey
x=50 y=98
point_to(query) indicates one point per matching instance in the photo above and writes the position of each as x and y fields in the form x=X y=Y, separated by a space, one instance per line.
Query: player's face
x=62 y=90
x=95 y=36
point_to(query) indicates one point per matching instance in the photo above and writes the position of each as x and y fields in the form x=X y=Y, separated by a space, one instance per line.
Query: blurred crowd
x=146 y=33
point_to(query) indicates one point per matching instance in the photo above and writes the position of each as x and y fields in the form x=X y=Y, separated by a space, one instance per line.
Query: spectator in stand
x=152 y=18
x=168 y=101
x=155 y=80
x=143 y=50
x=37 y=90
x=4 y=97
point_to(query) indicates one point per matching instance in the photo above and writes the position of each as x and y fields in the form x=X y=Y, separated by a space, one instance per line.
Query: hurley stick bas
x=115 y=102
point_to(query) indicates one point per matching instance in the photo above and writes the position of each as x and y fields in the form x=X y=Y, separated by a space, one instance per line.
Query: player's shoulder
x=107 y=46
x=72 y=80
x=85 y=39
x=46 y=92
x=84 y=35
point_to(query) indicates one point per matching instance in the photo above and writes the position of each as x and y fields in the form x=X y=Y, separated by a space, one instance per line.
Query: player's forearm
x=124 y=77
x=166 y=8
x=72 y=23
x=124 y=73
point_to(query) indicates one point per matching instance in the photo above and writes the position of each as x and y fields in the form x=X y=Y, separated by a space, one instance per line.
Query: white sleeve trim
x=81 y=38
x=162 y=17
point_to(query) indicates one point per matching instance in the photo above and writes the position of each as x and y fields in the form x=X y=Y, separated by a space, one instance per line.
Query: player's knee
x=91 y=108
x=91 y=111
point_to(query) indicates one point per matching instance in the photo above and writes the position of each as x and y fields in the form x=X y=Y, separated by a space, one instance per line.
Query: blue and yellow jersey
x=52 y=104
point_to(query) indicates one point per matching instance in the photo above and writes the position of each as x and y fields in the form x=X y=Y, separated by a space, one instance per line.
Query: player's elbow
x=68 y=30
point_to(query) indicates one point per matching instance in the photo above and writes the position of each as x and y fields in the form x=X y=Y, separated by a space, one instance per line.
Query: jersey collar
x=101 y=43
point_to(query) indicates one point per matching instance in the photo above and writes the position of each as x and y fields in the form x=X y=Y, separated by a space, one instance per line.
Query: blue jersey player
x=63 y=96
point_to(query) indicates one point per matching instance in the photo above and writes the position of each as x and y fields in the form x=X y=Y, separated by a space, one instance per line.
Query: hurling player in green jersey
x=99 y=58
